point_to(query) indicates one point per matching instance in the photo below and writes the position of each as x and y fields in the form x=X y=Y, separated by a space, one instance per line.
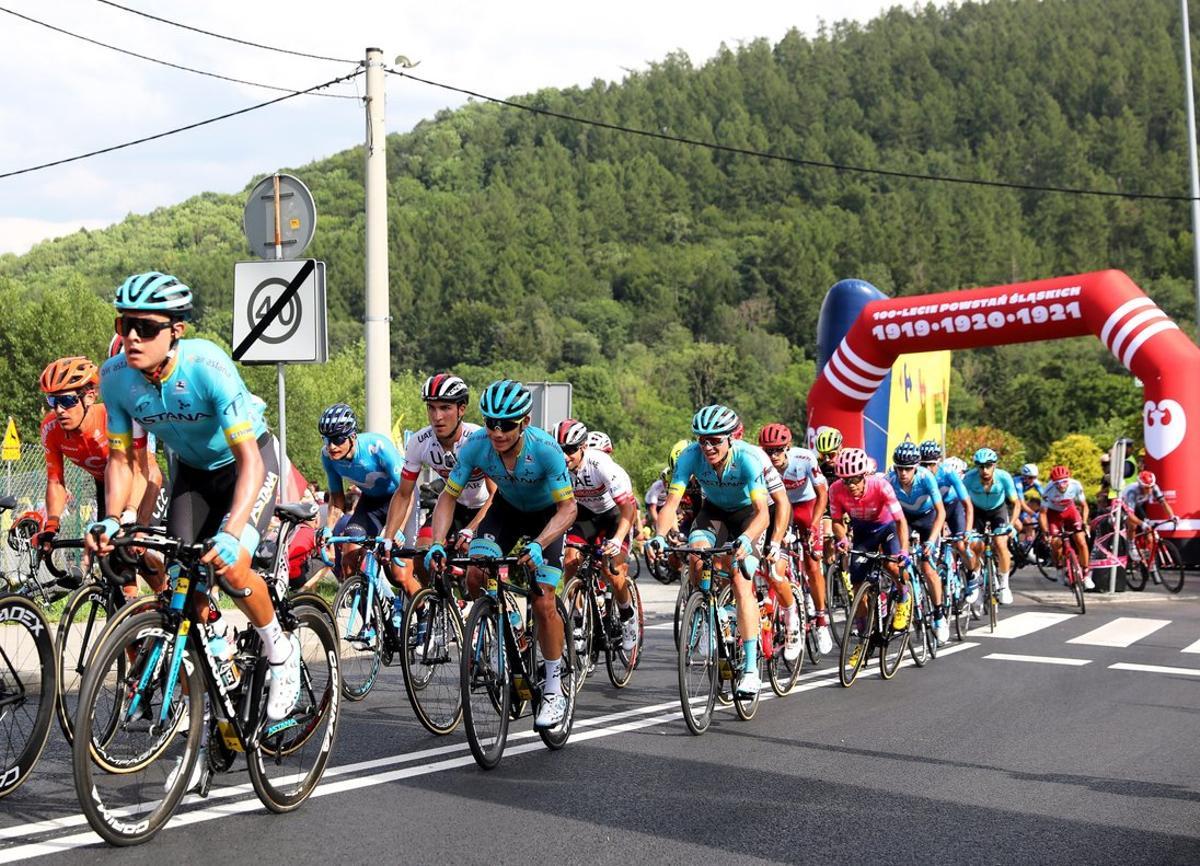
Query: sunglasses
x=67 y=401
x=336 y=441
x=772 y=452
x=504 y=425
x=906 y=468
x=854 y=479
x=712 y=441
x=929 y=463
x=146 y=329
x=570 y=449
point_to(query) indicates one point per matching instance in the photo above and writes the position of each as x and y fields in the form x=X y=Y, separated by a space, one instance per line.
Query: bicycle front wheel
x=485 y=681
x=1169 y=564
x=1075 y=577
x=433 y=662
x=698 y=662
x=582 y=627
x=28 y=685
x=837 y=599
x=856 y=642
x=782 y=672
x=556 y=737
x=360 y=637
x=80 y=629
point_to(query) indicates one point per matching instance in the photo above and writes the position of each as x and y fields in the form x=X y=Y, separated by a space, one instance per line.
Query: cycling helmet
x=506 y=400
x=850 y=462
x=956 y=465
x=906 y=454
x=69 y=374
x=775 y=436
x=872 y=466
x=154 y=292
x=1029 y=470
x=116 y=346
x=599 y=440
x=739 y=431
x=1147 y=478
x=570 y=433
x=1060 y=473
x=676 y=450
x=985 y=455
x=829 y=439
x=930 y=451
x=338 y=421
x=445 y=388
x=715 y=420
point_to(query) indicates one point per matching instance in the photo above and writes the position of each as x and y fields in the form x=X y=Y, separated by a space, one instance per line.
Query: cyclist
x=437 y=447
x=533 y=500
x=1060 y=499
x=827 y=443
x=190 y=395
x=1137 y=495
x=688 y=505
x=877 y=523
x=807 y=493
x=599 y=441
x=1029 y=499
x=730 y=474
x=960 y=511
x=920 y=498
x=993 y=494
x=607 y=507
x=371 y=462
x=656 y=494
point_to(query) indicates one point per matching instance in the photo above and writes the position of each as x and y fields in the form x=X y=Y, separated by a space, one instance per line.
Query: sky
x=63 y=96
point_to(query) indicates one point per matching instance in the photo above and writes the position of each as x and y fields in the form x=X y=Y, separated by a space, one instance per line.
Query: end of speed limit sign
x=279 y=312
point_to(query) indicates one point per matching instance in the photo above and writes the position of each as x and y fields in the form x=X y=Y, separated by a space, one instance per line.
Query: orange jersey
x=86 y=447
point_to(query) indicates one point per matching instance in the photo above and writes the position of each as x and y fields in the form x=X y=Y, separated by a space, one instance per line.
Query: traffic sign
x=279 y=312
x=297 y=215
x=551 y=403
x=11 y=449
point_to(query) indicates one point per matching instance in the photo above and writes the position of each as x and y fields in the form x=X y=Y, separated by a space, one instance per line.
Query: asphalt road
x=1062 y=739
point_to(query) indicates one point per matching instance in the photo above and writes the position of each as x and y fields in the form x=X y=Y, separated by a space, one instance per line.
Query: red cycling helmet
x=570 y=433
x=1147 y=478
x=775 y=436
x=1060 y=473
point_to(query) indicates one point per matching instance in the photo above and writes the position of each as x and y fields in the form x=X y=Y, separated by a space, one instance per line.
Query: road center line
x=1045 y=660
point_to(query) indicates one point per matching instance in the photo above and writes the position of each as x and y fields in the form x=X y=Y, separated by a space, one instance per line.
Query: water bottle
x=223 y=650
x=726 y=615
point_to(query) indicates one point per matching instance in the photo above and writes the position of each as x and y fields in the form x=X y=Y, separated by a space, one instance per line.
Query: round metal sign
x=297 y=218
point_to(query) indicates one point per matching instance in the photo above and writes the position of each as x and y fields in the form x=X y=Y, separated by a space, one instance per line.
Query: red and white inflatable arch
x=1104 y=303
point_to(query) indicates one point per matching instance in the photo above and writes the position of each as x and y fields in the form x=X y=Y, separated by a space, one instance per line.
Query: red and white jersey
x=424 y=449
x=657 y=494
x=770 y=475
x=600 y=484
x=802 y=475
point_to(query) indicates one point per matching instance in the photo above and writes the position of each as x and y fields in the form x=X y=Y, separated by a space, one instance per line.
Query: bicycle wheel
x=28 y=685
x=622 y=664
x=1169 y=565
x=1074 y=576
x=697 y=663
x=989 y=592
x=137 y=734
x=894 y=644
x=929 y=612
x=681 y=598
x=432 y=666
x=837 y=601
x=293 y=752
x=1042 y=556
x=1136 y=575
x=582 y=626
x=920 y=631
x=783 y=673
x=555 y=738
x=80 y=628
x=360 y=637
x=486 y=684
x=856 y=642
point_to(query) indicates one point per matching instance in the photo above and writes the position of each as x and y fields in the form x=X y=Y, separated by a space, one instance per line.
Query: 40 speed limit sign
x=279 y=312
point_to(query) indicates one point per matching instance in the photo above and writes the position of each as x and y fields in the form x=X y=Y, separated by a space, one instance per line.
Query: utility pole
x=1190 y=103
x=376 y=324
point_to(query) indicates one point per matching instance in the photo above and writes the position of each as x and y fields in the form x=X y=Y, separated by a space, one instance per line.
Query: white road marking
x=1193 y=648
x=1023 y=624
x=1045 y=660
x=1121 y=632
x=1155 y=669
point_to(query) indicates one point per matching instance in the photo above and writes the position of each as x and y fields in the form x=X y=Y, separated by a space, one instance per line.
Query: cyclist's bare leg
x=618 y=576
x=933 y=582
x=747 y=603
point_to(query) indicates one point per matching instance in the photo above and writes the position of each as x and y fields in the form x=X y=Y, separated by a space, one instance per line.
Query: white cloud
x=18 y=235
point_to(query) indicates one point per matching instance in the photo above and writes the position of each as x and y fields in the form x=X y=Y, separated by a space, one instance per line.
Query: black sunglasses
x=774 y=451
x=67 y=401
x=335 y=441
x=146 y=329
x=504 y=425
x=570 y=449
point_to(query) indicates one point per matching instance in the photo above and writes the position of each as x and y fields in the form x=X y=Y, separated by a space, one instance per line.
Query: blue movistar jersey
x=198 y=410
x=1002 y=489
x=922 y=497
x=537 y=481
x=735 y=484
x=950 y=486
x=373 y=466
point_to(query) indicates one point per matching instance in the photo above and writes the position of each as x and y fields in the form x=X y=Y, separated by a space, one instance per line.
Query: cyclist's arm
x=56 y=499
x=397 y=514
x=783 y=515
x=141 y=480
x=628 y=516
x=337 y=494
x=664 y=520
x=483 y=509
x=154 y=483
x=762 y=516
x=563 y=519
x=902 y=528
x=939 y=520
x=822 y=499
x=1083 y=506
x=118 y=479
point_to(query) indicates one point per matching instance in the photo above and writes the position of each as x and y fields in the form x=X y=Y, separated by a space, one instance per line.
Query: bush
x=1081 y=455
x=965 y=441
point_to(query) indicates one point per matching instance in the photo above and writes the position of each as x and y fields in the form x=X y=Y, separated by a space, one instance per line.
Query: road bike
x=28 y=684
x=989 y=590
x=432 y=637
x=839 y=593
x=1072 y=569
x=873 y=630
x=923 y=642
x=773 y=628
x=596 y=618
x=157 y=695
x=954 y=589
x=798 y=555
x=1153 y=559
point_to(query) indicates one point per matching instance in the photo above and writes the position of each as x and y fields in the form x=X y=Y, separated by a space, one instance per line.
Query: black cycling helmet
x=337 y=422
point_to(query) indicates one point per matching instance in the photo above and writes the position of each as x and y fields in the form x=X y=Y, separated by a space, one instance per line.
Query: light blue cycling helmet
x=714 y=420
x=930 y=451
x=506 y=400
x=154 y=292
x=985 y=455
x=906 y=454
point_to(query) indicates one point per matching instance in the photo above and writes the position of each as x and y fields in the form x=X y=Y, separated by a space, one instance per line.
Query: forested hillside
x=657 y=276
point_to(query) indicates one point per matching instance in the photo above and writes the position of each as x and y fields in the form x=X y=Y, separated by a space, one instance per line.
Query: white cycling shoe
x=284 y=684
x=824 y=640
x=629 y=634
x=551 y=712
x=749 y=684
x=792 y=646
x=941 y=630
x=1005 y=595
x=1088 y=583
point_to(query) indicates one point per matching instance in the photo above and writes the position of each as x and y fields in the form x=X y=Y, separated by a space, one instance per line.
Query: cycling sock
x=626 y=611
x=278 y=649
x=790 y=615
x=751 y=649
x=1002 y=579
x=553 y=684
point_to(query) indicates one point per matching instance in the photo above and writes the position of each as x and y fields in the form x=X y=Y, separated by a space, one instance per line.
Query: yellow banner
x=920 y=398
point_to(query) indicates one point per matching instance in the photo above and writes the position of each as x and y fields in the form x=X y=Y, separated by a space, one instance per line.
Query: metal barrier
x=25 y=479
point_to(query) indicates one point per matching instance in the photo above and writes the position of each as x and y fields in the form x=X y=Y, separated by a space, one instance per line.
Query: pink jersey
x=876 y=507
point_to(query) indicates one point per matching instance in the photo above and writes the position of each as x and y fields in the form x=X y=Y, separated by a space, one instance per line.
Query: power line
x=220 y=36
x=179 y=129
x=164 y=62
x=807 y=163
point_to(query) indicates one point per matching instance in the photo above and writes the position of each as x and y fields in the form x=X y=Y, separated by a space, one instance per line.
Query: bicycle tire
x=859 y=644
x=724 y=599
x=681 y=599
x=437 y=703
x=582 y=631
x=783 y=673
x=1170 y=565
x=619 y=663
x=1074 y=575
x=87 y=605
x=930 y=612
x=359 y=657
x=836 y=599
x=109 y=814
x=1137 y=574
x=990 y=599
x=31 y=635
x=556 y=737
x=486 y=683
x=697 y=663
x=635 y=566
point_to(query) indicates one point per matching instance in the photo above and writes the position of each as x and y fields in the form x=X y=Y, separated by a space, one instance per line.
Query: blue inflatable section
x=839 y=311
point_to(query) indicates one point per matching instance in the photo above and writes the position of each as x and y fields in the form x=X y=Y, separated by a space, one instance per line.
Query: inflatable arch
x=1105 y=303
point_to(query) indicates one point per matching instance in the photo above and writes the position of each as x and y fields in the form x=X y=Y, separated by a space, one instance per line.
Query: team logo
x=1164 y=424
x=180 y=386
